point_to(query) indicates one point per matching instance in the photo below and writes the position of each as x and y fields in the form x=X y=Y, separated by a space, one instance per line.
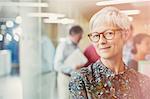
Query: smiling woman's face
x=109 y=48
x=109 y=19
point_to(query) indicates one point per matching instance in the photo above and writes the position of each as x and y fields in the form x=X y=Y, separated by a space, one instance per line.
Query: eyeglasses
x=108 y=34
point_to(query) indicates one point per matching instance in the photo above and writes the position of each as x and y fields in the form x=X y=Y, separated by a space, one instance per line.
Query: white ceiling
x=85 y=8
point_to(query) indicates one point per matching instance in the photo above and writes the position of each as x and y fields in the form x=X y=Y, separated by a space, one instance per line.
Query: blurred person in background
x=109 y=77
x=141 y=48
x=63 y=51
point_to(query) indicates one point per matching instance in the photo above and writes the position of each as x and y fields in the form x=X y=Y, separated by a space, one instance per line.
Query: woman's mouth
x=105 y=48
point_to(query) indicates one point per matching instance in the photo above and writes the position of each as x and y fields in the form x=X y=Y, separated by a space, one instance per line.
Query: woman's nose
x=102 y=39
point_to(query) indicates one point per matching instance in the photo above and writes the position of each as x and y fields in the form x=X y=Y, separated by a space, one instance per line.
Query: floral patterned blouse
x=99 y=82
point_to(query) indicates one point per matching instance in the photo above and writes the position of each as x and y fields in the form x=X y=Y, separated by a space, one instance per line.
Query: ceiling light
x=113 y=2
x=9 y=24
x=18 y=20
x=8 y=37
x=67 y=21
x=24 y=4
x=130 y=18
x=51 y=21
x=60 y=21
x=131 y=12
x=45 y=15
x=1 y=37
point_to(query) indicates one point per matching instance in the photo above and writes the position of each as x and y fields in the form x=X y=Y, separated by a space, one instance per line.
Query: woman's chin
x=106 y=56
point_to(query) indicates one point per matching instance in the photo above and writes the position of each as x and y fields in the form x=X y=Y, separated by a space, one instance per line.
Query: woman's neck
x=116 y=65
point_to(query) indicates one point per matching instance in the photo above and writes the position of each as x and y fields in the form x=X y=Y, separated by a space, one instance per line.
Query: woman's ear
x=127 y=35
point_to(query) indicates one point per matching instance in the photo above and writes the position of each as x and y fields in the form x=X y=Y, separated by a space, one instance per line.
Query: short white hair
x=110 y=16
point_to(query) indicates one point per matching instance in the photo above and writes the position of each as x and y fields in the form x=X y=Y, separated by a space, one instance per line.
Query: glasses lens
x=109 y=34
x=94 y=37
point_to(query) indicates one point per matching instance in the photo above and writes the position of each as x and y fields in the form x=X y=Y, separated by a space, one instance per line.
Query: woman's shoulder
x=86 y=72
x=144 y=83
x=79 y=80
x=139 y=76
x=82 y=72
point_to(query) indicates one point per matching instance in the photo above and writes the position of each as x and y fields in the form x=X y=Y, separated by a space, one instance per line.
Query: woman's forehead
x=103 y=28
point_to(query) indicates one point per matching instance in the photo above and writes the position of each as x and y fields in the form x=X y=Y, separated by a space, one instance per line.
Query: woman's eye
x=95 y=35
x=110 y=33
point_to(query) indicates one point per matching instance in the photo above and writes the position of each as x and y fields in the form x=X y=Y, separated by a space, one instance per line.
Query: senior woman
x=109 y=77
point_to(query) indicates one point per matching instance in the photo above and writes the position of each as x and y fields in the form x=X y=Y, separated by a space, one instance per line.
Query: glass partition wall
x=29 y=37
x=20 y=52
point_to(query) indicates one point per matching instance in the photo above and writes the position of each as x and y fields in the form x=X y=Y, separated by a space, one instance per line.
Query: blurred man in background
x=63 y=51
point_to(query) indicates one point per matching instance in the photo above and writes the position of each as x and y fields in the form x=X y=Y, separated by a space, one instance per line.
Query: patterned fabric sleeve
x=145 y=86
x=77 y=86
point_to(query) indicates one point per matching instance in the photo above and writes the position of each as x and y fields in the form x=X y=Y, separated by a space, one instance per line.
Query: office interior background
x=24 y=23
